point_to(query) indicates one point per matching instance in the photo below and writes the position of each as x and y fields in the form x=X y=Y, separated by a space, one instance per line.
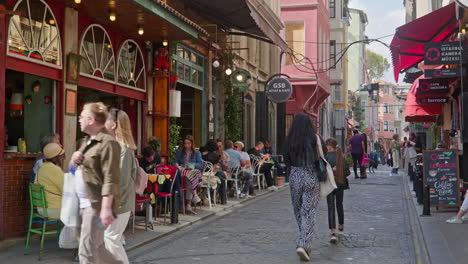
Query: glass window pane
x=200 y=78
x=295 y=38
x=187 y=73
x=194 y=76
x=180 y=52
x=180 y=71
x=194 y=58
x=187 y=55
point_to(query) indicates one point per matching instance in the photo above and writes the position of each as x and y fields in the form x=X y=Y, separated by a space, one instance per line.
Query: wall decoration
x=36 y=86
x=28 y=99
x=73 y=68
x=70 y=102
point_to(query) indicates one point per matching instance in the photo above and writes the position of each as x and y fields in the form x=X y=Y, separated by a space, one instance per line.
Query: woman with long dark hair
x=301 y=156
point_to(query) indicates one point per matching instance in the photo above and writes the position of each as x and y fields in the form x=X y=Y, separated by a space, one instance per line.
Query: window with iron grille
x=332 y=54
x=332 y=9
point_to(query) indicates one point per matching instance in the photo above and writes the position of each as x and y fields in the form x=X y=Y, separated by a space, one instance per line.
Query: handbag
x=321 y=168
x=141 y=179
x=365 y=161
x=327 y=186
x=70 y=210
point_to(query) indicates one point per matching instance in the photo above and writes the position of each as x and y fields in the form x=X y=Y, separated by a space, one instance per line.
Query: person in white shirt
x=246 y=169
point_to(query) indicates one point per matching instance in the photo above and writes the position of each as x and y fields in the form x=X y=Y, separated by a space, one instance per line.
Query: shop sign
x=279 y=90
x=436 y=73
x=441 y=176
x=241 y=80
x=433 y=86
x=439 y=53
x=433 y=100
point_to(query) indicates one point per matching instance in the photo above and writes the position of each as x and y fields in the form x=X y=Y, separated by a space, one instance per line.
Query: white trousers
x=113 y=238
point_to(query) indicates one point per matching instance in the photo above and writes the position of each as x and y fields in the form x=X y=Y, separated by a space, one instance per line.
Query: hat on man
x=239 y=143
x=52 y=150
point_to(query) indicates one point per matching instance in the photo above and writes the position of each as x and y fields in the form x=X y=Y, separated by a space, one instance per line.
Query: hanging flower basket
x=427 y=125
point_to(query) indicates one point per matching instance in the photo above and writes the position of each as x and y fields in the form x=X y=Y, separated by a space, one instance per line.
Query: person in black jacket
x=212 y=156
x=301 y=156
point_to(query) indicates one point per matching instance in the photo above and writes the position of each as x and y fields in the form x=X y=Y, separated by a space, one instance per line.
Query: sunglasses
x=236 y=147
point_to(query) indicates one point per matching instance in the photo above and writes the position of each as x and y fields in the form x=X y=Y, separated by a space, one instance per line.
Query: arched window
x=97 y=54
x=34 y=34
x=131 y=66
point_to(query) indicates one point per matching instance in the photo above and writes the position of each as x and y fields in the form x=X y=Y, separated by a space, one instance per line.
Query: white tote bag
x=329 y=185
x=70 y=211
x=69 y=237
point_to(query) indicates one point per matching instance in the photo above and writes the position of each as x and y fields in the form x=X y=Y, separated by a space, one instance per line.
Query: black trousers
x=266 y=170
x=357 y=161
x=222 y=186
x=336 y=197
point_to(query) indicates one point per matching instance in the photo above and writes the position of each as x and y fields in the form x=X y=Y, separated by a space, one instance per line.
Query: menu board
x=441 y=176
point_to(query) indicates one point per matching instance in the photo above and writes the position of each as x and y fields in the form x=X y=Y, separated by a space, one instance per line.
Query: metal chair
x=209 y=170
x=234 y=172
x=257 y=174
x=38 y=200
x=167 y=195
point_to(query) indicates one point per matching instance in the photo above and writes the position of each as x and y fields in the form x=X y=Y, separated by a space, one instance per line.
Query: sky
x=384 y=17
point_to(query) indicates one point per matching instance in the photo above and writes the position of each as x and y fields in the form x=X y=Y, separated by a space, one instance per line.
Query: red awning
x=415 y=112
x=407 y=46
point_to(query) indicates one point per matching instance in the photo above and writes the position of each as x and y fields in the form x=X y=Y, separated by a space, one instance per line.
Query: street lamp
x=228 y=71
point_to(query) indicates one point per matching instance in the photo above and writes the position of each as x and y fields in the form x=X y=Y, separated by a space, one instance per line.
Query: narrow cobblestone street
x=264 y=231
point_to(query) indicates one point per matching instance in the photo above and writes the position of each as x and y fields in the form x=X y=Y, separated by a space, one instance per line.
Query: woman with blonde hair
x=118 y=125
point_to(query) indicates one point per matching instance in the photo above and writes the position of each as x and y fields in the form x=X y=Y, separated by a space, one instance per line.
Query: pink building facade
x=386 y=114
x=307 y=32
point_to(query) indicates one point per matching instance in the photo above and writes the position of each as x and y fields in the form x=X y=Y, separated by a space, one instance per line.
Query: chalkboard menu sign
x=441 y=176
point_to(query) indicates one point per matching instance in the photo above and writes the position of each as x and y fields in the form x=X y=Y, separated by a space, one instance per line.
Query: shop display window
x=33 y=35
x=97 y=54
x=29 y=110
x=131 y=66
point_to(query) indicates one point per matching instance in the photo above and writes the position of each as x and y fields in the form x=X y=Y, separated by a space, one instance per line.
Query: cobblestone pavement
x=376 y=231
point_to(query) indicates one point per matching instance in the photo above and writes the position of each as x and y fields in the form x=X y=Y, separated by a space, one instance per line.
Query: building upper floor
x=307 y=32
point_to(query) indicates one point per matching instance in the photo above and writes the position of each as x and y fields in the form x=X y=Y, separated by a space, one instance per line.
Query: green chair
x=38 y=200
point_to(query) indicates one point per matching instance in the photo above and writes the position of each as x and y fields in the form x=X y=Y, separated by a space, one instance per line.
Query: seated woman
x=50 y=175
x=188 y=158
x=52 y=138
x=212 y=156
x=150 y=160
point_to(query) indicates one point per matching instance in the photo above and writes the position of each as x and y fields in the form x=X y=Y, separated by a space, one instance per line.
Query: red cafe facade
x=55 y=56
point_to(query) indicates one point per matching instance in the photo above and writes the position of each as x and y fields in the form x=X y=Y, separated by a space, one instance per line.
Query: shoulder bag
x=327 y=186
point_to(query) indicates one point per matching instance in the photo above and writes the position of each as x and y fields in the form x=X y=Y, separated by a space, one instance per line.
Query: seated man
x=212 y=156
x=265 y=167
x=50 y=175
x=246 y=166
x=150 y=160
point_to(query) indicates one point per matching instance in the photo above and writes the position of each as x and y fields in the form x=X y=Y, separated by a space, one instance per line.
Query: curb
x=228 y=209
x=419 y=242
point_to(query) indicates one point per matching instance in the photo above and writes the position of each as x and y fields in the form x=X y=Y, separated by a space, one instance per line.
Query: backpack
x=141 y=179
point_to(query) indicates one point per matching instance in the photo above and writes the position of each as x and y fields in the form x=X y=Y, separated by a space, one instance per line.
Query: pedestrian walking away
x=301 y=156
x=396 y=153
x=98 y=157
x=356 y=147
x=119 y=126
x=336 y=159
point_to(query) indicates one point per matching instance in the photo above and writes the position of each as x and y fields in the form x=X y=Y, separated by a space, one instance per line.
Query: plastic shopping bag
x=69 y=237
x=70 y=211
x=365 y=161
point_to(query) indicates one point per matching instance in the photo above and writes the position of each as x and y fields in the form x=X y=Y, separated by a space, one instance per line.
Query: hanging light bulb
x=216 y=62
x=240 y=77
x=51 y=21
x=228 y=71
x=112 y=16
x=77 y=1
x=141 y=31
x=165 y=43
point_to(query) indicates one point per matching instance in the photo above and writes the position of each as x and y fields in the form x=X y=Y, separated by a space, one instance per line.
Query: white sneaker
x=274 y=188
x=302 y=254
x=243 y=195
x=270 y=188
x=454 y=220
x=333 y=239
x=196 y=199
x=465 y=217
